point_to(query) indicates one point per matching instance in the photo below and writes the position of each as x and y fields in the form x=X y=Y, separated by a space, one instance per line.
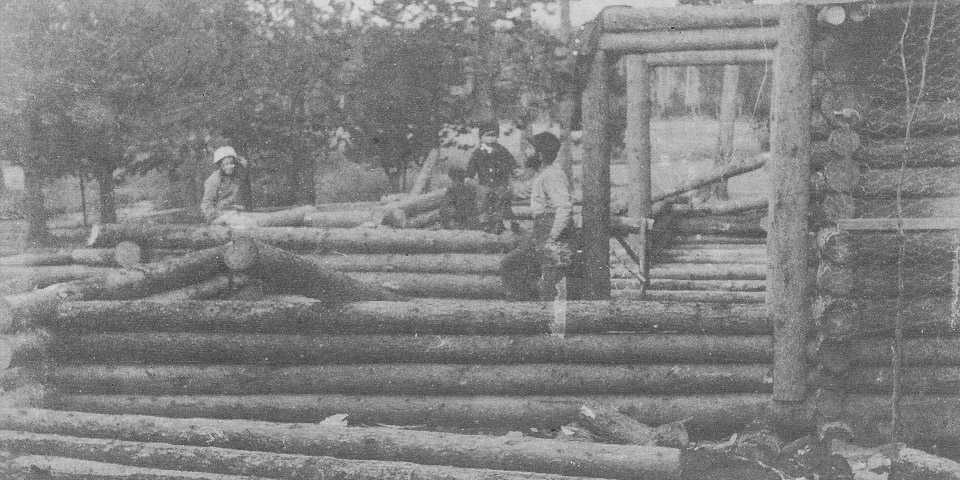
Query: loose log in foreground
x=373 y=443
x=422 y=379
x=436 y=285
x=61 y=468
x=883 y=248
x=840 y=317
x=718 y=175
x=710 y=413
x=212 y=288
x=36 y=259
x=347 y=240
x=280 y=349
x=612 y=425
x=172 y=273
x=415 y=205
x=292 y=273
x=242 y=462
x=291 y=217
x=436 y=317
x=876 y=352
x=43 y=276
x=884 y=280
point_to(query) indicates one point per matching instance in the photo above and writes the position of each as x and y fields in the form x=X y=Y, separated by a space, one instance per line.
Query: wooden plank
x=680 y=40
x=596 y=180
x=789 y=202
x=637 y=138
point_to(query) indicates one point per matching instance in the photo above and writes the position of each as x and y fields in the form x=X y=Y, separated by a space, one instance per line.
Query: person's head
x=489 y=133
x=543 y=150
x=457 y=175
x=226 y=160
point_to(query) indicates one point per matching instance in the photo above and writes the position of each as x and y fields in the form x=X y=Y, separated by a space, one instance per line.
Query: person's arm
x=208 y=205
x=472 y=165
x=555 y=186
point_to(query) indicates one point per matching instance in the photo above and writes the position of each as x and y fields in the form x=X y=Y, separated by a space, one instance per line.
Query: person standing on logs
x=493 y=166
x=532 y=269
x=459 y=210
x=227 y=190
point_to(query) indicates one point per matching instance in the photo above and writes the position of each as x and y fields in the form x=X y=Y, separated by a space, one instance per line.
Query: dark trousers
x=526 y=271
x=496 y=204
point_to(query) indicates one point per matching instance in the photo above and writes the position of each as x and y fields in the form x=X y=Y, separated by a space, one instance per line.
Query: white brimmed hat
x=224 y=152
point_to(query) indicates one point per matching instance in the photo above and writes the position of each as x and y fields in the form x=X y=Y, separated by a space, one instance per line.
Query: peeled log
x=344 y=219
x=292 y=273
x=413 y=379
x=917 y=351
x=436 y=285
x=709 y=271
x=26 y=310
x=460 y=263
x=679 y=40
x=753 y=225
x=291 y=217
x=373 y=443
x=924 y=418
x=717 y=175
x=707 y=255
x=886 y=117
x=128 y=254
x=207 y=289
x=686 y=17
x=152 y=278
x=427 y=317
x=723 y=207
x=48 y=275
x=874 y=280
x=624 y=295
x=242 y=462
x=347 y=240
x=36 y=259
x=711 y=413
x=841 y=317
x=281 y=349
x=418 y=204
x=60 y=468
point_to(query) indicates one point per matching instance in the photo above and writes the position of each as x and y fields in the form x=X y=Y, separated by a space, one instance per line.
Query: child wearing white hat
x=225 y=190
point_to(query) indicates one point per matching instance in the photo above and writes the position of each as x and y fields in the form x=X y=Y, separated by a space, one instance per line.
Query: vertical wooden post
x=596 y=180
x=789 y=168
x=637 y=139
x=728 y=121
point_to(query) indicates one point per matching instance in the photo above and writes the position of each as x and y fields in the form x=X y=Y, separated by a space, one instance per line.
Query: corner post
x=596 y=179
x=637 y=139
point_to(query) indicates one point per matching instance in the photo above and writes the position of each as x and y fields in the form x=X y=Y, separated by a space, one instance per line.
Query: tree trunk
x=35 y=210
x=344 y=240
x=281 y=349
x=436 y=285
x=242 y=462
x=60 y=468
x=728 y=120
x=428 y=317
x=108 y=201
x=414 y=379
x=373 y=443
x=297 y=274
x=487 y=49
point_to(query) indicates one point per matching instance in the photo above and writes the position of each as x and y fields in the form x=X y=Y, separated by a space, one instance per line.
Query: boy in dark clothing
x=493 y=166
x=459 y=210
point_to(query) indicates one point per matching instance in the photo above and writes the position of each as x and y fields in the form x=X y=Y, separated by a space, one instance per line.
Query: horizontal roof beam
x=674 y=41
x=628 y=19
x=709 y=57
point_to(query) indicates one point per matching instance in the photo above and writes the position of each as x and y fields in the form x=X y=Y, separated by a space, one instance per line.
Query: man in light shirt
x=534 y=267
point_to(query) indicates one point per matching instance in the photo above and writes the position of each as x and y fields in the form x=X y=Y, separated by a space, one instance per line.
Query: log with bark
x=922 y=152
x=428 y=317
x=345 y=240
x=284 y=349
x=726 y=207
x=413 y=379
x=747 y=254
x=937 y=380
x=23 y=348
x=698 y=296
x=424 y=220
x=296 y=274
x=128 y=254
x=691 y=285
x=215 y=287
x=705 y=271
x=882 y=116
x=28 y=467
x=876 y=352
x=873 y=280
x=626 y=19
x=670 y=41
x=707 y=413
x=459 y=263
x=883 y=248
x=371 y=443
x=241 y=462
x=717 y=240
x=436 y=285
x=27 y=279
x=753 y=225
x=908 y=207
x=37 y=259
x=840 y=317
x=172 y=273
x=26 y=310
